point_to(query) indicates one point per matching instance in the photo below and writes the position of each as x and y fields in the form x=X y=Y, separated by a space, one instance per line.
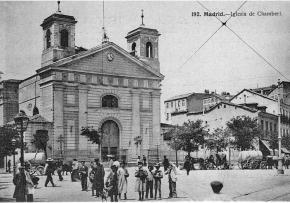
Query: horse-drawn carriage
x=36 y=161
x=251 y=160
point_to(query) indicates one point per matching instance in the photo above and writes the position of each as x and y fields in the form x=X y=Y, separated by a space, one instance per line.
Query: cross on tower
x=58 y=6
x=142 y=16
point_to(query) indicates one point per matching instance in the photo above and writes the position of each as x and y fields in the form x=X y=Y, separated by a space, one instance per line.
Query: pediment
x=111 y=60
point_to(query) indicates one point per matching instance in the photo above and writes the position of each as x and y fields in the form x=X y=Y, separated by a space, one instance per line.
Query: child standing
x=141 y=175
x=158 y=175
x=149 y=182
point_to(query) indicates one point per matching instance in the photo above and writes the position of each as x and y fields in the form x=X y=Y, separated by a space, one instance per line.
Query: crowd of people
x=148 y=179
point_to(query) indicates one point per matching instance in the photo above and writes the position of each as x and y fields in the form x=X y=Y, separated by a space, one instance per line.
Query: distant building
x=8 y=100
x=192 y=102
x=249 y=97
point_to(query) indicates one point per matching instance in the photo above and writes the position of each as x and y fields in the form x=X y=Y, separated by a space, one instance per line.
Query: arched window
x=134 y=47
x=64 y=38
x=48 y=38
x=35 y=111
x=149 y=50
x=110 y=101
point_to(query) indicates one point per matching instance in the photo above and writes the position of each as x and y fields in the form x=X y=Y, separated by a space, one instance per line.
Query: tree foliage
x=40 y=139
x=8 y=133
x=220 y=139
x=188 y=136
x=244 y=130
x=92 y=134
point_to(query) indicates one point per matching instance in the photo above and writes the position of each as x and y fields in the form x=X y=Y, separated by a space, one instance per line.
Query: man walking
x=48 y=170
x=165 y=163
x=9 y=166
x=84 y=176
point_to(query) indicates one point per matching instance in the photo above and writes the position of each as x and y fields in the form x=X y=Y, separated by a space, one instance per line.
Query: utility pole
x=280 y=165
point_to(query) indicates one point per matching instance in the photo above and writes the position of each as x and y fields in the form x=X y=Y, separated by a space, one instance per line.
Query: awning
x=266 y=144
x=284 y=150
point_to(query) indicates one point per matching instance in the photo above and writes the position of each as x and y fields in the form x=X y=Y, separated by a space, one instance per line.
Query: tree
x=40 y=140
x=219 y=139
x=7 y=133
x=244 y=130
x=91 y=133
x=188 y=136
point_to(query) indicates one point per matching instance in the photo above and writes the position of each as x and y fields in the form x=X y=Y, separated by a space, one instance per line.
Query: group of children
x=149 y=178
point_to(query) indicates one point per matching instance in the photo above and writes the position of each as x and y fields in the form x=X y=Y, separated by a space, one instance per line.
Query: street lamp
x=14 y=165
x=21 y=122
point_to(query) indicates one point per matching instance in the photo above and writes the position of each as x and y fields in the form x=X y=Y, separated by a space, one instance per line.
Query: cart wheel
x=40 y=170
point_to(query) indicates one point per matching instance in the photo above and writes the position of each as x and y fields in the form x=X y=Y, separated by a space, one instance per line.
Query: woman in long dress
x=122 y=180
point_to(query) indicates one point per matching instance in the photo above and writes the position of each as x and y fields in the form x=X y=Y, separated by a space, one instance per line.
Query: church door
x=110 y=140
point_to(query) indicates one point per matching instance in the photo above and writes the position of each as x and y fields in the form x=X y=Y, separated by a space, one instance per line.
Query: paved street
x=239 y=185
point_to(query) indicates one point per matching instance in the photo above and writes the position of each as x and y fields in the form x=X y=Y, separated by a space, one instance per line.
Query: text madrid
x=234 y=14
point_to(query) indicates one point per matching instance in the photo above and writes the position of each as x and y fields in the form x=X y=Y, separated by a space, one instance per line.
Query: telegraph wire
x=237 y=10
x=255 y=51
x=199 y=47
x=223 y=24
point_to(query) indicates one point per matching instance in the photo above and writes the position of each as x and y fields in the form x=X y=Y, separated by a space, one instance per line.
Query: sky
x=224 y=63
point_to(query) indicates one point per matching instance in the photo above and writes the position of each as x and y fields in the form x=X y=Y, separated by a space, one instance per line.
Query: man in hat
x=19 y=181
x=75 y=174
x=83 y=170
x=99 y=174
x=158 y=175
x=172 y=178
x=49 y=170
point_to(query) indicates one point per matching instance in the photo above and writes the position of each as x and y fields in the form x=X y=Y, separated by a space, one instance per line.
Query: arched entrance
x=110 y=140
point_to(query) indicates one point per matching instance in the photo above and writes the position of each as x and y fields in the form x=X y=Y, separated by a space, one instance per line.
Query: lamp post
x=21 y=122
x=14 y=165
x=280 y=164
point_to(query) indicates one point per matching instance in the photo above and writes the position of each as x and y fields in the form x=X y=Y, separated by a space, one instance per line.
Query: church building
x=105 y=87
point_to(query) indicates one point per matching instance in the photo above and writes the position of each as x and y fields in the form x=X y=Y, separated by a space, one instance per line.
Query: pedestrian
x=99 y=174
x=111 y=161
x=140 y=186
x=48 y=171
x=83 y=170
x=122 y=180
x=91 y=177
x=29 y=183
x=149 y=182
x=59 y=170
x=9 y=166
x=187 y=166
x=158 y=175
x=19 y=181
x=144 y=161
x=112 y=184
x=165 y=163
x=138 y=160
x=172 y=179
x=75 y=174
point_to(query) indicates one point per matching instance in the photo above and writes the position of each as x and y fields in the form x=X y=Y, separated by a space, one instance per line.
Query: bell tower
x=143 y=43
x=58 y=37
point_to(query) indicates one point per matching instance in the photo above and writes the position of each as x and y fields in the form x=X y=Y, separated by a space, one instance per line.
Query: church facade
x=106 y=87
